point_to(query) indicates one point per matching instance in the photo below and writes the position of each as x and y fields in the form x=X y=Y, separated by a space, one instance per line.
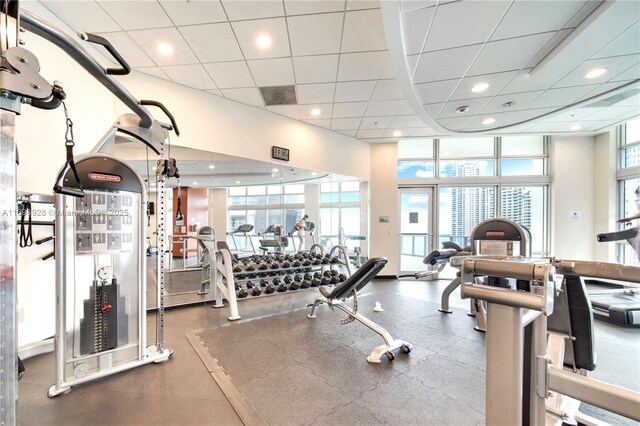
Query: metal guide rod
x=160 y=258
x=509 y=269
x=8 y=334
x=604 y=395
x=58 y=37
x=504 y=296
x=612 y=271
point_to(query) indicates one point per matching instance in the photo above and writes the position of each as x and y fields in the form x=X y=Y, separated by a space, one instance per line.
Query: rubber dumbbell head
x=242 y=293
x=256 y=291
x=315 y=282
x=269 y=289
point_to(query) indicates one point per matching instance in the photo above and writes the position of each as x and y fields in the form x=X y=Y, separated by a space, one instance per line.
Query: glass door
x=416 y=228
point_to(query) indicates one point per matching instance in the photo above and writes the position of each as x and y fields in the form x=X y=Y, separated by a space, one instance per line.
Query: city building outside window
x=628 y=176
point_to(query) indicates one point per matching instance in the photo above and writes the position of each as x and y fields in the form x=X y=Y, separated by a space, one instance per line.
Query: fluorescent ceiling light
x=316 y=112
x=165 y=48
x=195 y=183
x=397 y=133
x=575 y=127
x=595 y=73
x=313 y=173
x=263 y=41
x=211 y=166
x=274 y=170
x=488 y=120
x=237 y=181
x=480 y=87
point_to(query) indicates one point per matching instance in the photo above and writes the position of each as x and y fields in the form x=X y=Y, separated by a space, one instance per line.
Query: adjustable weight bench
x=335 y=299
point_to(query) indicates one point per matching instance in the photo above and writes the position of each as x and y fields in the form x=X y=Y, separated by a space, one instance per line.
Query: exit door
x=416 y=228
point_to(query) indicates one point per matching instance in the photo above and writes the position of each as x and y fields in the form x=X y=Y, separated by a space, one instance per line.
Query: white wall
x=572 y=197
x=604 y=207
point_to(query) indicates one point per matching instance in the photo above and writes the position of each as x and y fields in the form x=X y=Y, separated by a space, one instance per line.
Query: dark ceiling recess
x=279 y=95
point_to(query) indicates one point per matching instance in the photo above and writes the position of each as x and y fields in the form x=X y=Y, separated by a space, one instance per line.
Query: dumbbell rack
x=231 y=282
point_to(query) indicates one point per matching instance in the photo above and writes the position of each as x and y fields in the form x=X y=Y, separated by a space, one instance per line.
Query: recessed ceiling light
x=195 y=183
x=237 y=181
x=313 y=173
x=488 y=120
x=263 y=41
x=315 y=112
x=165 y=48
x=274 y=170
x=462 y=109
x=480 y=87
x=397 y=133
x=595 y=73
x=575 y=127
x=211 y=167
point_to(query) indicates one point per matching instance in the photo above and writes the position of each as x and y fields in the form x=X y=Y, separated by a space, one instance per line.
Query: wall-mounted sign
x=383 y=219
x=279 y=153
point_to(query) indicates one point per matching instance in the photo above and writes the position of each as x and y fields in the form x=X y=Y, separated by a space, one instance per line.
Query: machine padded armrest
x=438 y=256
x=357 y=281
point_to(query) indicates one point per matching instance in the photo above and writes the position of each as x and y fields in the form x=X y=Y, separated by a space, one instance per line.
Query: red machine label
x=103 y=177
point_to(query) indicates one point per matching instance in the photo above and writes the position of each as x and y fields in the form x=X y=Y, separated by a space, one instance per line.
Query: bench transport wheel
x=390 y=355
x=405 y=348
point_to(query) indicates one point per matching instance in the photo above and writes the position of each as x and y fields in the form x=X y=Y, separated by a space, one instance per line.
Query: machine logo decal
x=103 y=177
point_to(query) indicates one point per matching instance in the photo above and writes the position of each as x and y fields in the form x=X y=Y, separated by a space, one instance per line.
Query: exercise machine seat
x=439 y=255
x=451 y=245
x=357 y=281
x=222 y=245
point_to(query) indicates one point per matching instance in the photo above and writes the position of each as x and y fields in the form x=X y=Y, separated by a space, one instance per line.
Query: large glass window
x=466 y=148
x=461 y=208
x=339 y=213
x=527 y=205
x=415 y=159
x=628 y=176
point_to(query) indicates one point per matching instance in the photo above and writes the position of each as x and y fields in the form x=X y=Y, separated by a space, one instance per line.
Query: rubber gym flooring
x=291 y=370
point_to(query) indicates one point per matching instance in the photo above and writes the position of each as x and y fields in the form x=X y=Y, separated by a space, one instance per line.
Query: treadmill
x=243 y=229
x=618 y=304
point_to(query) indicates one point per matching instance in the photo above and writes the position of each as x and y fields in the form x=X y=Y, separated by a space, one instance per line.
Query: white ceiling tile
x=345 y=123
x=546 y=50
x=407 y=5
x=423 y=131
x=613 y=112
x=415 y=25
x=547 y=127
x=405 y=121
x=378 y=108
x=190 y=75
x=315 y=34
x=615 y=66
x=247 y=9
x=272 y=72
x=249 y=95
x=316 y=69
x=632 y=73
x=404 y=132
x=215 y=92
x=129 y=50
x=529 y=114
x=531 y=17
x=587 y=8
x=380 y=140
x=351 y=133
x=363 y=30
x=386 y=90
x=492 y=59
x=406 y=109
x=520 y=99
x=362 y=4
x=315 y=93
x=445 y=64
x=571 y=115
x=349 y=109
x=194 y=12
x=324 y=123
x=149 y=40
x=464 y=23
x=388 y=71
x=434 y=109
x=495 y=81
x=137 y=15
x=297 y=7
x=199 y=38
x=522 y=82
x=560 y=97
x=375 y=122
x=502 y=119
x=248 y=31
x=475 y=106
x=354 y=91
x=325 y=111
x=411 y=61
x=634 y=99
x=85 y=16
x=437 y=91
x=370 y=133
x=457 y=123
x=153 y=71
x=229 y=75
x=600 y=124
x=360 y=66
x=625 y=44
x=291 y=111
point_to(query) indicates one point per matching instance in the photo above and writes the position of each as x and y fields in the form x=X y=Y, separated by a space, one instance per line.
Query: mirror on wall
x=240 y=199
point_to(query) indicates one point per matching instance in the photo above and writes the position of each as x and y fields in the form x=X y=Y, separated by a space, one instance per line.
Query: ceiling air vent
x=279 y=95
x=612 y=100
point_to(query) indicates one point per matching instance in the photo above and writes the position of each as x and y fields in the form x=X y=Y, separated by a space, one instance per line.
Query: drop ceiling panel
x=369 y=133
x=457 y=123
x=214 y=92
x=414 y=28
x=500 y=119
x=434 y=109
x=137 y=15
x=129 y=50
x=445 y=64
x=296 y=7
x=587 y=8
x=315 y=93
x=389 y=133
x=422 y=132
x=376 y=108
x=437 y=91
x=228 y=75
x=154 y=71
x=612 y=112
x=315 y=69
x=190 y=75
x=406 y=109
x=351 y=133
x=252 y=9
x=149 y=40
x=324 y=123
x=522 y=82
x=83 y=16
x=560 y=97
x=626 y=43
x=249 y=95
x=408 y=5
x=248 y=31
x=406 y=121
x=371 y=123
x=363 y=31
x=521 y=99
x=361 y=66
x=464 y=23
x=495 y=81
x=354 y=91
x=531 y=17
x=325 y=111
x=615 y=66
x=272 y=72
x=492 y=59
x=349 y=109
x=315 y=34
x=345 y=123
x=529 y=114
x=546 y=50
x=632 y=73
x=291 y=111
x=571 y=115
x=387 y=90
x=388 y=71
x=225 y=47
x=362 y=4
x=194 y=12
